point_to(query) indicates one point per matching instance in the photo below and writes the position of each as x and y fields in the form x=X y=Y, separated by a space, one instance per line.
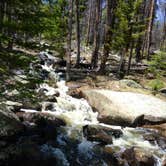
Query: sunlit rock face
x=126 y=108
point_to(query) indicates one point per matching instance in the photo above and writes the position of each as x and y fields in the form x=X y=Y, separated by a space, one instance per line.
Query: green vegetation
x=14 y=59
x=26 y=23
x=68 y=27
x=156 y=84
x=157 y=65
x=127 y=27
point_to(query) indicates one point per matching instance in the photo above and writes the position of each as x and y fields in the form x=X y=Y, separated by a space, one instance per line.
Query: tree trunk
x=94 y=59
x=111 y=6
x=163 y=44
x=69 y=37
x=78 y=31
x=138 y=55
x=125 y=52
x=149 y=28
x=10 y=44
x=130 y=58
x=10 y=30
x=1 y=19
x=140 y=41
x=92 y=28
x=89 y=23
x=121 y=72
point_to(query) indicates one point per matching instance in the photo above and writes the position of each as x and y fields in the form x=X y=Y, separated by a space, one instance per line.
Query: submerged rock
x=101 y=134
x=155 y=139
x=161 y=128
x=134 y=156
x=129 y=157
x=126 y=108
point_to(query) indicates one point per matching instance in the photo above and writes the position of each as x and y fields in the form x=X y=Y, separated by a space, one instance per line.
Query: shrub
x=157 y=65
x=156 y=84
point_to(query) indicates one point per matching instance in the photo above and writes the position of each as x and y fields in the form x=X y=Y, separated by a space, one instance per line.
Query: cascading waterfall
x=77 y=113
x=74 y=111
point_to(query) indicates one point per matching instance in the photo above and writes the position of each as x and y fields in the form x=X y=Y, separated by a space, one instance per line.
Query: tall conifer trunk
x=89 y=22
x=94 y=59
x=78 y=31
x=110 y=20
x=1 y=18
x=163 y=43
x=69 y=37
x=149 y=28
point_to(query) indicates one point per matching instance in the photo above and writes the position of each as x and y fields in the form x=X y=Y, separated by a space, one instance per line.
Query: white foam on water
x=47 y=68
x=74 y=111
x=28 y=110
x=134 y=138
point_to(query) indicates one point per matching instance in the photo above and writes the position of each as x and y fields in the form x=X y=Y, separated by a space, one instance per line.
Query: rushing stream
x=72 y=147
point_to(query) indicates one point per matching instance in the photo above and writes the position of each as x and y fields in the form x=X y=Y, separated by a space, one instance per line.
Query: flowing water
x=72 y=148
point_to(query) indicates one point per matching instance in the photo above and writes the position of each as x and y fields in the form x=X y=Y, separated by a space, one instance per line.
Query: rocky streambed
x=62 y=130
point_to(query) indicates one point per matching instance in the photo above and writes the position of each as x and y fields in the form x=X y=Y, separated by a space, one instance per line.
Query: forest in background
x=83 y=82
x=133 y=30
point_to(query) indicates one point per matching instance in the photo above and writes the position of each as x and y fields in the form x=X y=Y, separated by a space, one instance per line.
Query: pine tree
x=110 y=23
x=128 y=29
x=149 y=27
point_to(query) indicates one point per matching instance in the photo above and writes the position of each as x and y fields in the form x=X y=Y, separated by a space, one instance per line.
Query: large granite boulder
x=126 y=108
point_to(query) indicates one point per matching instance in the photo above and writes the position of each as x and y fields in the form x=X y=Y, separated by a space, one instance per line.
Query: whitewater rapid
x=78 y=113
